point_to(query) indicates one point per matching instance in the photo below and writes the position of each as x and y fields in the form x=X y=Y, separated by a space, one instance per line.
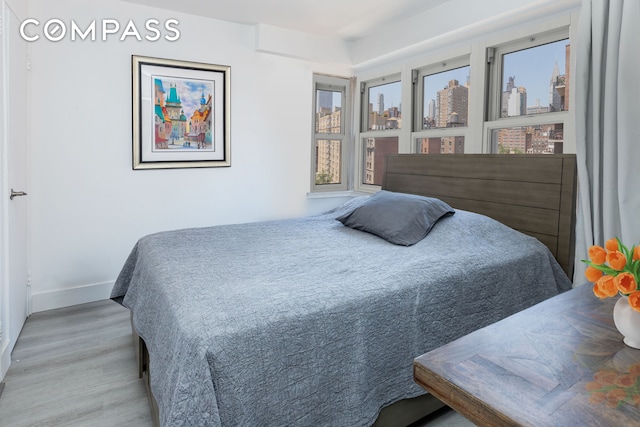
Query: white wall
x=88 y=207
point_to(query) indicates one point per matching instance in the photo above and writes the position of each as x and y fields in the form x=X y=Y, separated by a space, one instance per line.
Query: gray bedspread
x=305 y=322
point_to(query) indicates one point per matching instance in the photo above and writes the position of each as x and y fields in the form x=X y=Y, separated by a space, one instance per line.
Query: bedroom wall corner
x=88 y=207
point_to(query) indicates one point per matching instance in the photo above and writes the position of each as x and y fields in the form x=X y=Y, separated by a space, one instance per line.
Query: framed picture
x=180 y=114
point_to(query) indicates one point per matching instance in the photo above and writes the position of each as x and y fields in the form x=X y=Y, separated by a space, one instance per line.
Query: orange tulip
x=593 y=274
x=616 y=260
x=597 y=398
x=635 y=369
x=592 y=386
x=626 y=283
x=597 y=254
x=611 y=245
x=634 y=300
x=636 y=253
x=597 y=292
x=626 y=380
x=605 y=287
x=605 y=377
x=615 y=396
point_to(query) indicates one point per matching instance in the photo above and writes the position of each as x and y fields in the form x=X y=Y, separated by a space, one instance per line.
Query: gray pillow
x=402 y=219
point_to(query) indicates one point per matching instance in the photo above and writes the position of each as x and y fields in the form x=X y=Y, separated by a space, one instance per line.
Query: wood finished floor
x=76 y=367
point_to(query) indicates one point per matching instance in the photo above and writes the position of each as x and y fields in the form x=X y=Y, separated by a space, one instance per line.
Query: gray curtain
x=607 y=125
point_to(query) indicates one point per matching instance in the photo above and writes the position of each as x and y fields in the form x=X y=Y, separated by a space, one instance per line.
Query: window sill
x=334 y=194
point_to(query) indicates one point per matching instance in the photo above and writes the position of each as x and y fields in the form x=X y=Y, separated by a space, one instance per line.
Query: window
x=442 y=96
x=506 y=92
x=381 y=122
x=329 y=151
x=538 y=89
x=445 y=99
x=529 y=97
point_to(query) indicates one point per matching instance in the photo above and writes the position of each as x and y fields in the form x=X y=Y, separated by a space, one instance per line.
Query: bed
x=309 y=322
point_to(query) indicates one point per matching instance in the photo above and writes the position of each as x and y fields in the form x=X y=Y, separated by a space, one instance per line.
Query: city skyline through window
x=533 y=72
x=385 y=107
x=534 y=81
x=531 y=69
x=520 y=84
x=446 y=98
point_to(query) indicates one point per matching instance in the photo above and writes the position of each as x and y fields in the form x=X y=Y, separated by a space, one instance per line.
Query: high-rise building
x=557 y=81
x=328 y=161
x=432 y=109
x=453 y=105
x=545 y=139
x=517 y=102
x=504 y=104
x=328 y=151
x=375 y=151
x=380 y=104
x=444 y=145
x=513 y=140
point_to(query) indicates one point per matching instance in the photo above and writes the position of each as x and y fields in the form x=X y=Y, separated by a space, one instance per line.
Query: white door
x=14 y=219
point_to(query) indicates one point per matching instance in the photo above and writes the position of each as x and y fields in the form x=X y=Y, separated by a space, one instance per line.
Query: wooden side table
x=559 y=363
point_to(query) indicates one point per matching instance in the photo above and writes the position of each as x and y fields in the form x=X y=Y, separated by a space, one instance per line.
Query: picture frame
x=180 y=112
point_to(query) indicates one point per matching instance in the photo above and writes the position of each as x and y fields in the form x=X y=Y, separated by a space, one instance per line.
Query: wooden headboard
x=534 y=194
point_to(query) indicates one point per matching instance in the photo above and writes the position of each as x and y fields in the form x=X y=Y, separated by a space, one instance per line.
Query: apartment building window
x=442 y=95
x=508 y=93
x=381 y=122
x=529 y=95
x=331 y=102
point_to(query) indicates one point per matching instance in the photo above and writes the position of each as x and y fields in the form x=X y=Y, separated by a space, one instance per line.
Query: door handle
x=16 y=194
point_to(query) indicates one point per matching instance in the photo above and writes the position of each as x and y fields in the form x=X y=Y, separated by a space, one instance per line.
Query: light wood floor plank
x=75 y=367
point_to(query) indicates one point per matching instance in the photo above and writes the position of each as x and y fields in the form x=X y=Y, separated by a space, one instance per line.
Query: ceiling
x=344 y=19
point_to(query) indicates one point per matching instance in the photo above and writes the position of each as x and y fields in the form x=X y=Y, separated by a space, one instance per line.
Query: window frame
x=365 y=133
x=476 y=44
x=495 y=58
x=417 y=80
x=336 y=84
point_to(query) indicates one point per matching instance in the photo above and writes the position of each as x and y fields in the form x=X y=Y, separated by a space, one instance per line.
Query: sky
x=189 y=90
x=392 y=95
x=532 y=69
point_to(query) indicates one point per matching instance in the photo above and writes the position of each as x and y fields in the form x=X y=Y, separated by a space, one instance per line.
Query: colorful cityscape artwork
x=183 y=114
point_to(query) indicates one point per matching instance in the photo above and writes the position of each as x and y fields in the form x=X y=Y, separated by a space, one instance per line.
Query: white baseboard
x=5 y=358
x=50 y=300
